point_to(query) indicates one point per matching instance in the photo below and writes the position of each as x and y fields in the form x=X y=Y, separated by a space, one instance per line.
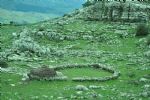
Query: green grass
x=118 y=55
x=6 y=35
x=80 y=72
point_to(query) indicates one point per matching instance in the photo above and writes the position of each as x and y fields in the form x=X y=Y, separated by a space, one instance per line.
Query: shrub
x=86 y=4
x=148 y=40
x=3 y=64
x=142 y=30
x=30 y=46
x=147 y=54
x=41 y=28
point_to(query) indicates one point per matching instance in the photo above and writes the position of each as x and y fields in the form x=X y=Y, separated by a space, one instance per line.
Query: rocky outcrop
x=125 y=11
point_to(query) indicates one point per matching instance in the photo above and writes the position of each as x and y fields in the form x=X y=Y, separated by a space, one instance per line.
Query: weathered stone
x=116 y=11
x=143 y=79
x=81 y=88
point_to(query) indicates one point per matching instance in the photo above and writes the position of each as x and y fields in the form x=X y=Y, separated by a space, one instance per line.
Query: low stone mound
x=40 y=73
x=45 y=73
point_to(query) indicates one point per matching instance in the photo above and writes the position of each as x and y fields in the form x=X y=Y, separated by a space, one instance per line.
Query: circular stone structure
x=115 y=74
x=40 y=73
x=46 y=73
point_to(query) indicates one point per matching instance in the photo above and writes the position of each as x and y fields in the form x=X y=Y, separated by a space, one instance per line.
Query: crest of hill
x=115 y=11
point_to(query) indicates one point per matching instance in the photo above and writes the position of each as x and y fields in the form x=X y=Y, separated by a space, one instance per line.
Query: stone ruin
x=116 y=10
x=46 y=73
x=41 y=73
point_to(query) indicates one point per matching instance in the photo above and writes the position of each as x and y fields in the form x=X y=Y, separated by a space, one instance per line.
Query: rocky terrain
x=86 y=57
x=131 y=11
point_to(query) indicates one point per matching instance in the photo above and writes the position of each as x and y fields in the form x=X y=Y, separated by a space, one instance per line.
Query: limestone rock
x=132 y=11
x=81 y=88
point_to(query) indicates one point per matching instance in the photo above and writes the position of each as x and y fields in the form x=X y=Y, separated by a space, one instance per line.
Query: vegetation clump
x=41 y=28
x=3 y=64
x=88 y=3
x=26 y=44
x=148 y=40
x=142 y=30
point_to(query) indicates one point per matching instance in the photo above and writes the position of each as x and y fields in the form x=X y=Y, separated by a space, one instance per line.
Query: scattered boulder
x=145 y=94
x=143 y=80
x=81 y=88
x=94 y=87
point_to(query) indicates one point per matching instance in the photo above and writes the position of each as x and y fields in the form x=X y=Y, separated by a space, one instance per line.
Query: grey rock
x=81 y=88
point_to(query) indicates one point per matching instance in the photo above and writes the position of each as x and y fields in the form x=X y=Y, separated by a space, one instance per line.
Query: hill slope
x=36 y=10
x=23 y=17
x=68 y=41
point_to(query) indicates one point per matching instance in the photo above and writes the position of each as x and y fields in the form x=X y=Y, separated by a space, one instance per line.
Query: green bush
x=148 y=40
x=86 y=4
x=3 y=64
x=41 y=28
x=142 y=30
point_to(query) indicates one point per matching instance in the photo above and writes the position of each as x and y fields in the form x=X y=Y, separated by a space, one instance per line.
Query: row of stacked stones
x=48 y=73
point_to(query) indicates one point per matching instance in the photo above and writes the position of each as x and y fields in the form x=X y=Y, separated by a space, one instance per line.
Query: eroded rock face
x=41 y=73
x=114 y=11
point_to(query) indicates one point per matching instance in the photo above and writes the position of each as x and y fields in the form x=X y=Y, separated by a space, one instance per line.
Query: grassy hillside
x=41 y=6
x=111 y=44
x=23 y=17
